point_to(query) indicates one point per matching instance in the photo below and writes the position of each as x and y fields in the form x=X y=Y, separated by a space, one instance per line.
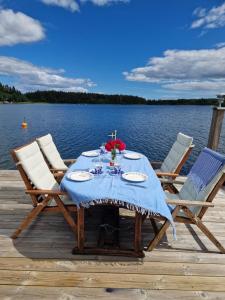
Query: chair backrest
x=33 y=168
x=50 y=152
x=188 y=191
x=178 y=154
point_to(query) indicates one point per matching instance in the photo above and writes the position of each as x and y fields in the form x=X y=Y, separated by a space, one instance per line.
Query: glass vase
x=113 y=157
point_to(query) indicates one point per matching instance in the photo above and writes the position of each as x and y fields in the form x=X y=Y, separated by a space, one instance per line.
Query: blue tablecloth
x=145 y=197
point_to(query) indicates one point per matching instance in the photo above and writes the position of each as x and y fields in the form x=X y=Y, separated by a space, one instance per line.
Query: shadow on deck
x=39 y=264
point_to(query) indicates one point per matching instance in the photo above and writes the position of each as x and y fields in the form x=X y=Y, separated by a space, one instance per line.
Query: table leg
x=80 y=229
x=137 y=233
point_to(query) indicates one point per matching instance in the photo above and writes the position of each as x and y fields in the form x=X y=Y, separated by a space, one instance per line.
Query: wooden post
x=216 y=126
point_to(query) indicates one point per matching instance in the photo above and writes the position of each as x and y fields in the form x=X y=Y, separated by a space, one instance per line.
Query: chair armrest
x=69 y=160
x=41 y=192
x=163 y=174
x=189 y=203
x=58 y=170
x=171 y=181
x=156 y=164
x=59 y=174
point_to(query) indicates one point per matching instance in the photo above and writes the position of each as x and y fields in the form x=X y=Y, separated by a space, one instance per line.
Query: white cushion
x=66 y=200
x=184 y=140
x=36 y=167
x=188 y=192
x=171 y=196
x=177 y=153
x=51 y=153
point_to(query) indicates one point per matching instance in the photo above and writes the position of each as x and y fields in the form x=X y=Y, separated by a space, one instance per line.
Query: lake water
x=150 y=130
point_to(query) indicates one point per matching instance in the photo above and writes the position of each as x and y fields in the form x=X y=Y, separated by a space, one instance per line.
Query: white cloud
x=30 y=77
x=209 y=19
x=220 y=45
x=71 y=5
x=184 y=70
x=199 y=12
x=216 y=85
x=105 y=2
x=16 y=27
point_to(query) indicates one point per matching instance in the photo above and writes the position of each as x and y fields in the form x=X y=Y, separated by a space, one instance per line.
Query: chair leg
x=154 y=225
x=153 y=243
x=211 y=237
x=144 y=217
x=172 y=189
x=29 y=218
x=158 y=236
x=66 y=214
x=204 y=229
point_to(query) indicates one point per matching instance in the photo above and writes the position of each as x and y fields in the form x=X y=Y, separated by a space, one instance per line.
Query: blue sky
x=156 y=49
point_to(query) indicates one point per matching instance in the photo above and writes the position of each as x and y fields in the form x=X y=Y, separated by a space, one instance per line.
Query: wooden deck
x=39 y=264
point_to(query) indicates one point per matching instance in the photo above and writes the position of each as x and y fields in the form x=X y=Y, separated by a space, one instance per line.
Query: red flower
x=108 y=146
x=122 y=146
x=115 y=144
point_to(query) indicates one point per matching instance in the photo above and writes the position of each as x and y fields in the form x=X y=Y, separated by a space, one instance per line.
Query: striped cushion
x=51 y=153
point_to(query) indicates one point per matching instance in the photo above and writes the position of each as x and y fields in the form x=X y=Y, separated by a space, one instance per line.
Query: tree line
x=12 y=95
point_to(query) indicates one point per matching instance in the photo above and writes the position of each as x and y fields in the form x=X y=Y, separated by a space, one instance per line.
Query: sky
x=157 y=49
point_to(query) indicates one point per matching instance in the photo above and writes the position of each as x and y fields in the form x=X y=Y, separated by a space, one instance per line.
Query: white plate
x=80 y=176
x=133 y=155
x=90 y=153
x=134 y=176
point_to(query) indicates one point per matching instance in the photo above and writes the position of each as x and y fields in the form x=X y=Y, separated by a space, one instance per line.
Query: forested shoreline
x=11 y=95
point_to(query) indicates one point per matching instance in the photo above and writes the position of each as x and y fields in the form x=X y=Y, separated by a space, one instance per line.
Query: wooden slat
x=52 y=293
x=153 y=268
x=33 y=292
x=109 y=280
x=42 y=265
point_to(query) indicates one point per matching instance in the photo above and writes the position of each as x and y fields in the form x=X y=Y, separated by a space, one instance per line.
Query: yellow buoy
x=24 y=124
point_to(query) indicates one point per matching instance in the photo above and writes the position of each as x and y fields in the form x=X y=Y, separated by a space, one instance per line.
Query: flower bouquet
x=112 y=146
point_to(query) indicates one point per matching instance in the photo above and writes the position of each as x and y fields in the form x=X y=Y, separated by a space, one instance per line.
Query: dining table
x=131 y=184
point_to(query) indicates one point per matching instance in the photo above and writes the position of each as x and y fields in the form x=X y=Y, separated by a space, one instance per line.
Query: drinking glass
x=102 y=153
x=98 y=165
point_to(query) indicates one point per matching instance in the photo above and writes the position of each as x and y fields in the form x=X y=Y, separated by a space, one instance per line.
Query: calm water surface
x=76 y=128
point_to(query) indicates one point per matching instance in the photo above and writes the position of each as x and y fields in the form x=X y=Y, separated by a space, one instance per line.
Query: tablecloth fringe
x=129 y=206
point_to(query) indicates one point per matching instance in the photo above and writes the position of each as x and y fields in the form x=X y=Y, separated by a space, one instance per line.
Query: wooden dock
x=39 y=264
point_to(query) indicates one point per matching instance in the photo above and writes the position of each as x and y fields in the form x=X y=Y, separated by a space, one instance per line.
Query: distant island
x=11 y=95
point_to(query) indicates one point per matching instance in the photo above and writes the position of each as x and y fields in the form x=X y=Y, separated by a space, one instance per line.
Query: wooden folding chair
x=41 y=186
x=51 y=154
x=176 y=158
x=190 y=211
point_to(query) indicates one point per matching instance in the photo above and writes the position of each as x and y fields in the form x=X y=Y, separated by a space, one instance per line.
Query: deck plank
x=42 y=266
x=147 y=268
x=111 y=280
x=74 y=293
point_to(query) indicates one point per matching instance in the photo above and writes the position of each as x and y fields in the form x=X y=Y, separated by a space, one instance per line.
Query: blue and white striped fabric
x=205 y=168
